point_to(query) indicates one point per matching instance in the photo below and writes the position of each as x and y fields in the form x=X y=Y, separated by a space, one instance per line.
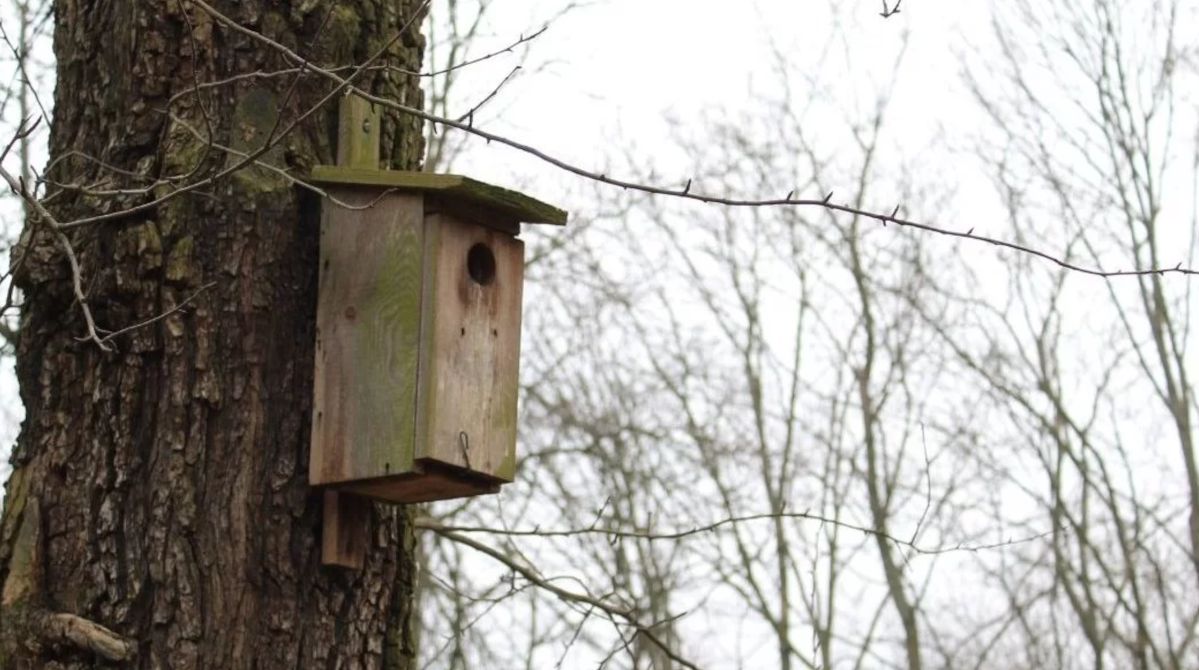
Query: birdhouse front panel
x=470 y=368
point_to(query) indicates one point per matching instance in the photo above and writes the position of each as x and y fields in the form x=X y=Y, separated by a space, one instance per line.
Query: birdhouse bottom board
x=418 y=346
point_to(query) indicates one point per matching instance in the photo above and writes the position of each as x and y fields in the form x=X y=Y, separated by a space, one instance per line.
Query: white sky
x=617 y=68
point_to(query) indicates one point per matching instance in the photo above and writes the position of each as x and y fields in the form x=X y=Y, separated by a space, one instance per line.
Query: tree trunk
x=160 y=490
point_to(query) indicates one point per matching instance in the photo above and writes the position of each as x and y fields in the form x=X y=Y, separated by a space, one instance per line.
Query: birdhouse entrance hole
x=480 y=264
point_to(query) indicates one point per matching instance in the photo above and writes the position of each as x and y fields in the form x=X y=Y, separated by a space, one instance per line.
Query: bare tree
x=1086 y=104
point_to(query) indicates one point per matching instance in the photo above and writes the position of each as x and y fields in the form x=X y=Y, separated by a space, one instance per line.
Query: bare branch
x=643 y=629
x=882 y=218
x=436 y=526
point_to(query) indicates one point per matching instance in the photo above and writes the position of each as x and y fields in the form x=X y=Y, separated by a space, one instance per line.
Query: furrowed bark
x=159 y=497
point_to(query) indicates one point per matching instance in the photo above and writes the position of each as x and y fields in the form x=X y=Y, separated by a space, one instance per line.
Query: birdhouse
x=418 y=328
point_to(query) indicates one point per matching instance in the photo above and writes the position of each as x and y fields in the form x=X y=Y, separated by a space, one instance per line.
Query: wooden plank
x=470 y=362
x=503 y=202
x=345 y=531
x=368 y=337
x=357 y=133
x=349 y=432
x=432 y=482
x=471 y=212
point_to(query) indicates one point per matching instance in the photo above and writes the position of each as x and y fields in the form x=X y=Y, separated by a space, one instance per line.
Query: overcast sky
x=613 y=71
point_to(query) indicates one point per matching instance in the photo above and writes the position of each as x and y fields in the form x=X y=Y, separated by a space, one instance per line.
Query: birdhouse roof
x=509 y=203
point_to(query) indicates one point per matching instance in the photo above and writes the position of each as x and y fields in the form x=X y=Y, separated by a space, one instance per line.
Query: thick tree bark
x=158 y=510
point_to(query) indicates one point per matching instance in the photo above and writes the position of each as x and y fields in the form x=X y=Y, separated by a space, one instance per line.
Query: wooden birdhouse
x=418 y=327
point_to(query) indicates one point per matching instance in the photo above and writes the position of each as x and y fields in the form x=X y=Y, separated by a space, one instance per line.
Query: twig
x=928 y=483
x=282 y=172
x=468 y=117
x=528 y=573
x=19 y=55
x=159 y=317
x=427 y=523
x=60 y=628
x=259 y=74
x=271 y=141
x=44 y=215
x=345 y=83
x=22 y=133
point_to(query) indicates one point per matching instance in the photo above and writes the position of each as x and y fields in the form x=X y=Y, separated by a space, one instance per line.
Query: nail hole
x=462 y=332
x=480 y=264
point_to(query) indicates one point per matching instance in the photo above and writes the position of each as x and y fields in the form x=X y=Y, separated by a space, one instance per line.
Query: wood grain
x=470 y=363
x=357 y=133
x=345 y=529
x=368 y=337
x=500 y=201
x=415 y=391
x=428 y=482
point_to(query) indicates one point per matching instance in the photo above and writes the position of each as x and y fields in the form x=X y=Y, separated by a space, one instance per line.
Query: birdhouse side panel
x=368 y=336
x=470 y=362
